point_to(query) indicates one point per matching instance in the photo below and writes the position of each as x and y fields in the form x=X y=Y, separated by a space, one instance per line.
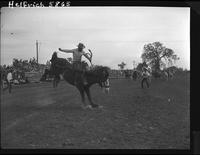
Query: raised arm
x=85 y=54
x=66 y=50
x=88 y=56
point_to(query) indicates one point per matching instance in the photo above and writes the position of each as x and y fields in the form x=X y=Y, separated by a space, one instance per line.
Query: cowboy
x=77 y=55
x=145 y=76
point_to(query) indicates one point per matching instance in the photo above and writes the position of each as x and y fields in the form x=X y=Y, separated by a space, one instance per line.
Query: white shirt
x=145 y=74
x=77 y=55
x=9 y=76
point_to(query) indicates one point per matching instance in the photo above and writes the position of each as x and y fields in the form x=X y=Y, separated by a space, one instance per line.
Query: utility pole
x=37 y=51
x=134 y=64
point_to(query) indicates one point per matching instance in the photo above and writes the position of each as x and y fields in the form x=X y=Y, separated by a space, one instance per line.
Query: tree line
x=155 y=55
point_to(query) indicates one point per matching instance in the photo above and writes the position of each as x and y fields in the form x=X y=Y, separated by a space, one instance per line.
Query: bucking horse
x=97 y=75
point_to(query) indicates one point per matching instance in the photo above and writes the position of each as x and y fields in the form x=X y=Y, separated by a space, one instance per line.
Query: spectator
x=9 y=79
x=145 y=77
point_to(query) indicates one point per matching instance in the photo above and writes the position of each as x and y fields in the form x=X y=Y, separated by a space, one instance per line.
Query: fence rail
x=33 y=76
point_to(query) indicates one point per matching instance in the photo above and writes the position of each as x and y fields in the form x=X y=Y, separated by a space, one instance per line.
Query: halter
x=106 y=86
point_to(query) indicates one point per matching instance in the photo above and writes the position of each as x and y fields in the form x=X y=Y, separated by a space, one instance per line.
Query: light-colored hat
x=81 y=45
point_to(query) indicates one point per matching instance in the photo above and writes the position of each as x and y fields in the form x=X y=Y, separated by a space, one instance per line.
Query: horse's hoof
x=84 y=107
x=89 y=107
x=100 y=107
x=97 y=106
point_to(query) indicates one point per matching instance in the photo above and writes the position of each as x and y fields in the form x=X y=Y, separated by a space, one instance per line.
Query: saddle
x=80 y=66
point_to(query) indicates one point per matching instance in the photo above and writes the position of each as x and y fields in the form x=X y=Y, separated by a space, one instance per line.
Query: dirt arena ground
x=38 y=116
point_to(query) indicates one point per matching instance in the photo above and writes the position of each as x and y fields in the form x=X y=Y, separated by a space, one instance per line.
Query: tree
x=134 y=64
x=122 y=65
x=155 y=53
x=141 y=65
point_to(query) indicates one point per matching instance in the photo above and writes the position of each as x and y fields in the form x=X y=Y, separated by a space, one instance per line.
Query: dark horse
x=97 y=75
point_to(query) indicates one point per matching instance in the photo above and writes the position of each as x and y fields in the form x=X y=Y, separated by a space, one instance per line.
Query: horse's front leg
x=87 y=90
x=81 y=90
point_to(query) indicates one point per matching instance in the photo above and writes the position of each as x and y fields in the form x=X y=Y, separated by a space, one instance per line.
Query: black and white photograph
x=94 y=77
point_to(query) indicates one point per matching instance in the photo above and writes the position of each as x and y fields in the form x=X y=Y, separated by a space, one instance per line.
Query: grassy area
x=39 y=116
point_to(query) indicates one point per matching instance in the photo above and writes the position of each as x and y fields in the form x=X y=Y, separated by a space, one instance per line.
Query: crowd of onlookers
x=18 y=71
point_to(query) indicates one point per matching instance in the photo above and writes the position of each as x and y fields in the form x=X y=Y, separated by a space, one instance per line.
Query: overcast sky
x=114 y=34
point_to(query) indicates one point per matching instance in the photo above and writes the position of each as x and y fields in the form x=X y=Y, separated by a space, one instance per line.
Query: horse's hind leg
x=54 y=83
x=57 y=81
x=87 y=90
x=10 y=87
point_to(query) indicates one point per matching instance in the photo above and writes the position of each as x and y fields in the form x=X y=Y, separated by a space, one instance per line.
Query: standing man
x=77 y=55
x=145 y=77
x=150 y=73
x=9 y=79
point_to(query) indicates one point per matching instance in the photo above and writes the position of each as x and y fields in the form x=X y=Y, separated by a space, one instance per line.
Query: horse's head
x=103 y=74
